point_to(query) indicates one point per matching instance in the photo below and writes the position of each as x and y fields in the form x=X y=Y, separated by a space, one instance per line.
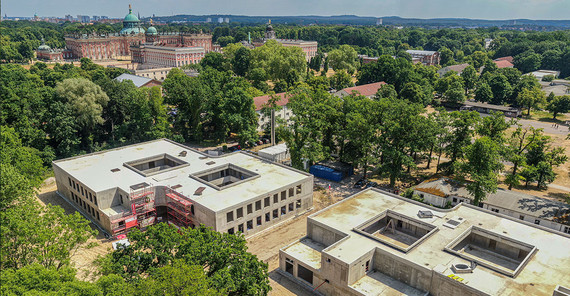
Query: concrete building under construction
x=163 y=181
x=375 y=243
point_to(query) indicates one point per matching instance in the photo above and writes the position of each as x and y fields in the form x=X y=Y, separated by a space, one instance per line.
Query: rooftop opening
x=396 y=230
x=224 y=176
x=155 y=164
x=492 y=250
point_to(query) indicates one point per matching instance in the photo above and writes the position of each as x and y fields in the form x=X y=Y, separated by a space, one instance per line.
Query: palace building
x=308 y=47
x=133 y=35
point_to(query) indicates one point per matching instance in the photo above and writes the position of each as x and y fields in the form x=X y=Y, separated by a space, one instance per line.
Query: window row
x=84 y=192
x=266 y=203
x=267 y=217
x=83 y=204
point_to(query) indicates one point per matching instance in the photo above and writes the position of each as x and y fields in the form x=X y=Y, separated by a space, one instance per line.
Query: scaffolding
x=180 y=209
x=142 y=212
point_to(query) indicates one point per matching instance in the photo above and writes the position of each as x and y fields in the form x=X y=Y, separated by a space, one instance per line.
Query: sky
x=477 y=9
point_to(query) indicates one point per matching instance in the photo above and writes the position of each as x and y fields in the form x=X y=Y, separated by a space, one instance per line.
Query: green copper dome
x=131 y=24
x=151 y=31
x=44 y=46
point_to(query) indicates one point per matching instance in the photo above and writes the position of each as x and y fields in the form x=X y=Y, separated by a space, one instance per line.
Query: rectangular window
x=537 y=222
x=68 y=178
x=258 y=205
x=95 y=199
x=267 y=217
x=90 y=197
x=73 y=184
x=230 y=216
x=567 y=229
x=240 y=228
x=275 y=198
x=98 y=216
x=231 y=230
x=82 y=191
x=250 y=225
x=298 y=189
x=521 y=217
x=283 y=195
x=290 y=207
x=275 y=213
x=495 y=210
x=239 y=213
x=258 y=221
x=249 y=208
x=454 y=199
x=298 y=203
x=283 y=210
x=266 y=202
x=291 y=191
x=121 y=197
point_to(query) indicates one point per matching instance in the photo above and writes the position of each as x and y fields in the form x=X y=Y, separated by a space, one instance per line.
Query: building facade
x=426 y=57
x=376 y=243
x=308 y=47
x=166 y=56
x=163 y=181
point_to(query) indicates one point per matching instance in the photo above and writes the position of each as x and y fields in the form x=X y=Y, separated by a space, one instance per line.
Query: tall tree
x=531 y=98
x=560 y=104
x=344 y=58
x=460 y=134
x=482 y=165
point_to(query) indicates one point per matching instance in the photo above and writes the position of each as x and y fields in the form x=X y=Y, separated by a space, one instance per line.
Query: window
x=266 y=202
x=98 y=216
x=250 y=225
x=275 y=198
x=239 y=213
x=90 y=197
x=454 y=199
x=367 y=266
x=258 y=221
x=290 y=207
x=275 y=213
x=231 y=230
x=121 y=197
x=249 y=208
x=230 y=216
x=73 y=184
x=283 y=210
x=258 y=205
x=69 y=179
x=567 y=229
x=291 y=191
x=521 y=217
x=240 y=228
x=495 y=210
x=537 y=222
x=82 y=191
x=283 y=195
x=267 y=217
x=95 y=199
x=298 y=203
x=298 y=189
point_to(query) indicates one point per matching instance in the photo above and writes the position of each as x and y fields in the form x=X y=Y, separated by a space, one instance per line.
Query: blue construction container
x=325 y=173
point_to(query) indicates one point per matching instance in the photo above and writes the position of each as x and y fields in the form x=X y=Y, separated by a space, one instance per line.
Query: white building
x=548 y=213
x=138 y=185
x=375 y=243
x=261 y=101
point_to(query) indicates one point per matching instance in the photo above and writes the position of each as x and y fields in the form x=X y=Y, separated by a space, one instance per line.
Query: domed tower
x=131 y=24
x=269 y=33
x=44 y=47
x=151 y=33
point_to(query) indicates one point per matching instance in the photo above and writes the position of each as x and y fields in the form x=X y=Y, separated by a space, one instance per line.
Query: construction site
x=377 y=243
x=163 y=181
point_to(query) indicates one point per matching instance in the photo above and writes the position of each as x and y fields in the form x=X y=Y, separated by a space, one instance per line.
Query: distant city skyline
x=473 y=9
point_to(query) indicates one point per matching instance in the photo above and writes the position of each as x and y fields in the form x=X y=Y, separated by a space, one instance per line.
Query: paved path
x=547 y=126
x=560 y=187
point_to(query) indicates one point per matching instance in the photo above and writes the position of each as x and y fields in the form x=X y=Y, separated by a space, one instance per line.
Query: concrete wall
x=525 y=217
x=441 y=285
x=435 y=200
x=357 y=269
x=402 y=270
x=322 y=233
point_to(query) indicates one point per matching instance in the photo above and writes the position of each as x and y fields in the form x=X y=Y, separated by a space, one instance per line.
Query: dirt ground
x=84 y=257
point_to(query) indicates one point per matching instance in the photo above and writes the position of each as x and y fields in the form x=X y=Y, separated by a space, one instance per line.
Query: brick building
x=426 y=57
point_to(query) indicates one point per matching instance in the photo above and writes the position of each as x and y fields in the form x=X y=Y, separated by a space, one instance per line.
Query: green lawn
x=545 y=116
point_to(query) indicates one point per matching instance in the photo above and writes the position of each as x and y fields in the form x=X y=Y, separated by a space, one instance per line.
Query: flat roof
x=490 y=106
x=94 y=171
x=548 y=267
x=137 y=80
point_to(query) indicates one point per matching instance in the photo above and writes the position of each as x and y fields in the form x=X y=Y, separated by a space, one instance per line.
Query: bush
x=548 y=78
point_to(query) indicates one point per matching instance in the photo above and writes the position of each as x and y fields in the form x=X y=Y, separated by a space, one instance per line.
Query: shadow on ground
x=288 y=284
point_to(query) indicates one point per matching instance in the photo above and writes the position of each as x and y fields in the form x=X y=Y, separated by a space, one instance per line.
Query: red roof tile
x=508 y=58
x=366 y=89
x=503 y=64
x=262 y=100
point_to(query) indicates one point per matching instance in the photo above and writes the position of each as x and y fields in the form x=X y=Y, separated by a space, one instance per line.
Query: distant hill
x=359 y=20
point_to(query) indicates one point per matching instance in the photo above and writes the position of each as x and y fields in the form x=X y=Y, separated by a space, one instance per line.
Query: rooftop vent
x=199 y=190
x=425 y=214
x=464 y=268
x=454 y=222
x=210 y=162
x=176 y=186
x=183 y=153
x=115 y=170
x=203 y=157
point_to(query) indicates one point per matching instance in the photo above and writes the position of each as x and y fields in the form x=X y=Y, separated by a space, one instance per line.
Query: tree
x=343 y=58
x=222 y=257
x=386 y=91
x=341 y=80
x=446 y=56
x=214 y=60
x=278 y=61
x=484 y=93
x=241 y=61
x=459 y=136
x=527 y=61
x=413 y=92
x=501 y=88
x=560 y=104
x=469 y=76
x=494 y=127
x=482 y=165
x=531 y=98
x=455 y=93
x=478 y=59
x=238 y=111
x=225 y=40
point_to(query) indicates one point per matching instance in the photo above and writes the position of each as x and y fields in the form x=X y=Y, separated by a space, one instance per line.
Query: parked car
x=234 y=148
x=371 y=184
x=361 y=183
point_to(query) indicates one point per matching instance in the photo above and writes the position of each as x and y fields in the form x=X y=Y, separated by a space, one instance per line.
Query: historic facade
x=46 y=53
x=112 y=46
x=308 y=47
